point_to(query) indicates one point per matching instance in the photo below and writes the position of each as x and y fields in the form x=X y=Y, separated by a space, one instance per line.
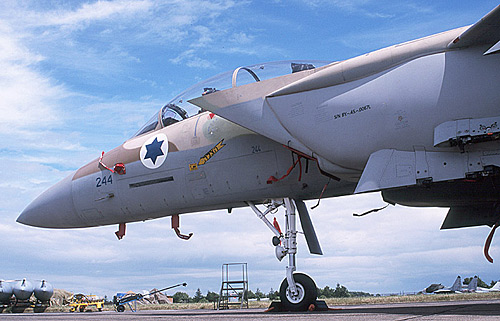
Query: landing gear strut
x=297 y=291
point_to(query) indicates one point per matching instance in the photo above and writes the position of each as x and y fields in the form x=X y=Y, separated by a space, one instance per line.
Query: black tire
x=120 y=308
x=307 y=293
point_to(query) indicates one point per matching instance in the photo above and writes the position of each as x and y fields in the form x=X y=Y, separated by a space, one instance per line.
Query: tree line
x=480 y=282
x=339 y=291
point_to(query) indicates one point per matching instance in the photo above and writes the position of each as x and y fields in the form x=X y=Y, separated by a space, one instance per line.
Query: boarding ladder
x=234 y=289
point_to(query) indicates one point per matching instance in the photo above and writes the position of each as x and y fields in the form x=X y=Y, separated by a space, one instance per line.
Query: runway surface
x=460 y=310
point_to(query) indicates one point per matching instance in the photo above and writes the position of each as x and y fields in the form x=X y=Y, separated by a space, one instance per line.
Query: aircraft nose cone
x=53 y=208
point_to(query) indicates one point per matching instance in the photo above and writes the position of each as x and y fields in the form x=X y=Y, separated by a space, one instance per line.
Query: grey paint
x=308 y=228
x=5 y=291
x=23 y=289
x=43 y=291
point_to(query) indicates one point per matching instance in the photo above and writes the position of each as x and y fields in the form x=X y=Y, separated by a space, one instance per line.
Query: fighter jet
x=472 y=286
x=494 y=288
x=455 y=288
x=418 y=121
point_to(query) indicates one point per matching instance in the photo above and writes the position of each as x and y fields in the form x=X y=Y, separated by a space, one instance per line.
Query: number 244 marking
x=256 y=149
x=105 y=180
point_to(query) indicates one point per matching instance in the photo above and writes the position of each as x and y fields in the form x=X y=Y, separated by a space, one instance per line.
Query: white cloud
x=11 y=50
x=351 y=6
x=97 y=11
x=205 y=37
x=27 y=95
x=189 y=57
x=370 y=8
x=103 y=39
x=243 y=38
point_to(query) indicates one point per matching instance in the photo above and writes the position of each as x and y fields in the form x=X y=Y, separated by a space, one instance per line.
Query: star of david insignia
x=154 y=150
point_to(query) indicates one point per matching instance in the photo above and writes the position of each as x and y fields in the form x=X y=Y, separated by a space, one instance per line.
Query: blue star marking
x=154 y=150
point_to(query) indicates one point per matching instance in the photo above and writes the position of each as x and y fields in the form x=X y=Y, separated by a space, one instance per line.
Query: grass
x=412 y=298
x=332 y=302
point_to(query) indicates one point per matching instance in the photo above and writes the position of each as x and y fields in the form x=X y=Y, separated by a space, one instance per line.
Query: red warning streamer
x=272 y=179
x=488 y=243
x=104 y=165
x=119 y=168
x=277 y=225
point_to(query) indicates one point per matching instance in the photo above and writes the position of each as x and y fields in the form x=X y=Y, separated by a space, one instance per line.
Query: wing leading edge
x=485 y=31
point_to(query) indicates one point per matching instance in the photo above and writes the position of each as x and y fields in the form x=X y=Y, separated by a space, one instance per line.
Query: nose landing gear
x=297 y=291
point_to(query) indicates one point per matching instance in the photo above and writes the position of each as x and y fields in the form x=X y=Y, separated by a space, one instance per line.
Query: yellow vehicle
x=81 y=301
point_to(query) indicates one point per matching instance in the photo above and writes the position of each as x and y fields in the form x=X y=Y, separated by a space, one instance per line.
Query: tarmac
x=459 y=310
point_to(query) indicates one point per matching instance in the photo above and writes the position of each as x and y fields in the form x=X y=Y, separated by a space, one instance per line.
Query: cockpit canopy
x=179 y=109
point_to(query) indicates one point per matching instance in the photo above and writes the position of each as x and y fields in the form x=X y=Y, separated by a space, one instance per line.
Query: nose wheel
x=297 y=291
x=304 y=296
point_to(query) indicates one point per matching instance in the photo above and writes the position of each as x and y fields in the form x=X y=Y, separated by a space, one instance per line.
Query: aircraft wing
x=485 y=31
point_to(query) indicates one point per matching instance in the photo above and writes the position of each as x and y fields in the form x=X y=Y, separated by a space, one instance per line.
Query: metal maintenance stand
x=233 y=292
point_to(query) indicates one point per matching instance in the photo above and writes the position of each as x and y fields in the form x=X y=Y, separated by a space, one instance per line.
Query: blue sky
x=80 y=77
